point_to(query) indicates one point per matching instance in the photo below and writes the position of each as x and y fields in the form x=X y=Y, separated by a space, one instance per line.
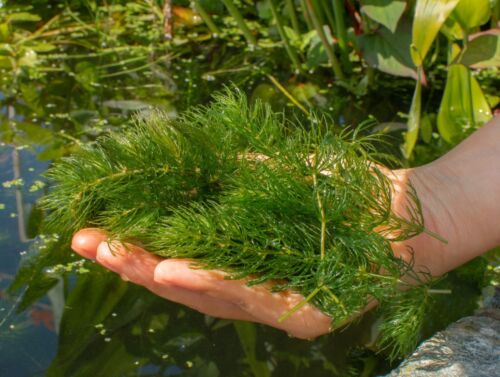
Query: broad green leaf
x=483 y=51
x=429 y=17
x=452 y=30
x=413 y=121
x=385 y=12
x=463 y=106
x=472 y=13
x=388 y=51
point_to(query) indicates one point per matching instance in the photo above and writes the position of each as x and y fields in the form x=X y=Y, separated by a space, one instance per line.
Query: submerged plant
x=237 y=187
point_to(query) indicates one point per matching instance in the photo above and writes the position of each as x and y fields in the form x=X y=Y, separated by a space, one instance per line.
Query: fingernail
x=86 y=241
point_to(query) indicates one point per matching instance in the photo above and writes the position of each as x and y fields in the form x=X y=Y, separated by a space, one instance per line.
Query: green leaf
x=86 y=75
x=35 y=133
x=28 y=59
x=316 y=53
x=35 y=221
x=385 y=12
x=483 y=51
x=413 y=121
x=32 y=97
x=43 y=47
x=248 y=337
x=4 y=32
x=24 y=17
x=472 y=13
x=35 y=291
x=426 y=128
x=429 y=17
x=463 y=106
x=389 y=52
x=5 y=62
x=53 y=152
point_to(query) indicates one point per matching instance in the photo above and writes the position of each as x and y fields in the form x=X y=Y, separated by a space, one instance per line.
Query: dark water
x=28 y=341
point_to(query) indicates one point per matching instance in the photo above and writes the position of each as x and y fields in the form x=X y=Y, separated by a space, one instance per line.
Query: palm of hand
x=202 y=290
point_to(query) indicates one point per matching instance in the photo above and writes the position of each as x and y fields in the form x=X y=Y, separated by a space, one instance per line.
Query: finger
x=202 y=303
x=138 y=266
x=130 y=262
x=258 y=301
x=86 y=241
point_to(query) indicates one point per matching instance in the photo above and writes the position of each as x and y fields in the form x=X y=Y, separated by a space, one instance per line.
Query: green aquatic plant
x=239 y=188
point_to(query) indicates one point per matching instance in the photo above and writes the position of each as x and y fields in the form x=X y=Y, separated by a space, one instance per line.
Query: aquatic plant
x=239 y=188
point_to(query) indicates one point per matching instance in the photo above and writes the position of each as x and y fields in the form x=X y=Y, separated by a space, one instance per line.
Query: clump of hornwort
x=237 y=187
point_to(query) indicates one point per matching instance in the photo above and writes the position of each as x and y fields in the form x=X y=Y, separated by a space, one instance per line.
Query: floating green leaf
x=385 y=12
x=463 y=107
x=429 y=17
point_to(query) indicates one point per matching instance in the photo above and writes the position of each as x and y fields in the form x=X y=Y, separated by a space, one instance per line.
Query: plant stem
x=321 y=207
x=309 y=23
x=329 y=16
x=328 y=47
x=287 y=94
x=290 y=9
x=235 y=13
x=206 y=18
x=341 y=32
x=287 y=314
x=279 y=23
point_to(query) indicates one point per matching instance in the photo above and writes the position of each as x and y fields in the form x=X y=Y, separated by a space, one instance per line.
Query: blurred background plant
x=425 y=71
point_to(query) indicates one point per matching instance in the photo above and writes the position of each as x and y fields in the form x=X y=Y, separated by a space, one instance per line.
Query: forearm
x=460 y=195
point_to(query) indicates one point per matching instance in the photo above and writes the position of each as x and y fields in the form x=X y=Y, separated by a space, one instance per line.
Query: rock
x=469 y=347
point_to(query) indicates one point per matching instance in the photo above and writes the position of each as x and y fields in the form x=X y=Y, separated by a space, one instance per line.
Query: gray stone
x=469 y=347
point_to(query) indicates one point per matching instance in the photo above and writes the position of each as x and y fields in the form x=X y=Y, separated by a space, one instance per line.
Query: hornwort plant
x=237 y=187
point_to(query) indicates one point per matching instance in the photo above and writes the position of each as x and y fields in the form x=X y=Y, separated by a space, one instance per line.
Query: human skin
x=460 y=197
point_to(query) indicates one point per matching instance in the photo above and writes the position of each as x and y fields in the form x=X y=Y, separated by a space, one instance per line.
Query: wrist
x=460 y=197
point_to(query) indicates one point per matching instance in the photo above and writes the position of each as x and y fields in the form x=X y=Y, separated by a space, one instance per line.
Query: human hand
x=205 y=291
